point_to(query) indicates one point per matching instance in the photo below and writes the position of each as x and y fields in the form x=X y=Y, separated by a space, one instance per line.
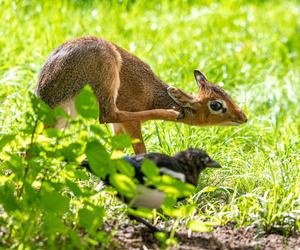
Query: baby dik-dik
x=127 y=90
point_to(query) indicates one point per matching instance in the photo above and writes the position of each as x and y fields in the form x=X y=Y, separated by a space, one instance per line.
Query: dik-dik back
x=106 y=67
x=127 y=90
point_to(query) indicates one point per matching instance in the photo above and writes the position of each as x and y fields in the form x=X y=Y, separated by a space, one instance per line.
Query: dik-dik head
x=210 y=106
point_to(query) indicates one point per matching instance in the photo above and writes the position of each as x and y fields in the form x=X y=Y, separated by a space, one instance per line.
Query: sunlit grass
x=250 y=48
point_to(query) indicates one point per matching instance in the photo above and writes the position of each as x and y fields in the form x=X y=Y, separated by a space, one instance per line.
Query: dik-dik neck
x=162 y=100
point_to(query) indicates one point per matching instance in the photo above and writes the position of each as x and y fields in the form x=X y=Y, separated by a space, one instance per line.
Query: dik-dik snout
x=210 y=106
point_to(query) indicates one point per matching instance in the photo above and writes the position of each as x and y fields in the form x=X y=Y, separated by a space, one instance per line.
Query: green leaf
x=8 y=198
x=97 y=130
x=44 y=112
x=121 y=141
x=15 y=163
x=104 y=237
x=170 y=201
x=172 y=186
x=150 y=169
x=71 y=152
x=199 y=226
x=73 y=187
x=53 y=224
x=51 y=132
x=98 y=159
x=30 y=195
x=182 y=211
x=75 y=239
x=161 y=236
x=86 y=104
x=91 y=218
x=124 y=167
x=124 y=185
x=141 y=212
x=52 y=201
x=5 y=140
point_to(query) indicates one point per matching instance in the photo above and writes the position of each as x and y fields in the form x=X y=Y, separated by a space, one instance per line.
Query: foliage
x=252 y=48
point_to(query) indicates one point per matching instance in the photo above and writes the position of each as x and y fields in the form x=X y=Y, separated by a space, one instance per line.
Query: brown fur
x=121 y=80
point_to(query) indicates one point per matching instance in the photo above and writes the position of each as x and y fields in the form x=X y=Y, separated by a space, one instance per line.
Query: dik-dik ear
x=181 y=98
x=200 y=78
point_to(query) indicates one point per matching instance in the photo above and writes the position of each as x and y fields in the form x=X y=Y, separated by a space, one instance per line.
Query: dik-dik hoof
x=181 y=115
x=172 y=114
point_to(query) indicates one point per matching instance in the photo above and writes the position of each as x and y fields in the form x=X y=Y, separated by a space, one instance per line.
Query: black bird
x=185 y=166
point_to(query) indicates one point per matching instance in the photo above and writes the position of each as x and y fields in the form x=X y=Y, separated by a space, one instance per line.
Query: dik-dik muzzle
x=210 y=106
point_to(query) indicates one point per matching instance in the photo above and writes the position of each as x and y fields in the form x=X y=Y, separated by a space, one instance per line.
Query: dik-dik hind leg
x=133 y=129
x=69 y=108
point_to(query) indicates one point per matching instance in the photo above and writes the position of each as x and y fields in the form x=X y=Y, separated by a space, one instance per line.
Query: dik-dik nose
x=242 y=117
x=239 y=117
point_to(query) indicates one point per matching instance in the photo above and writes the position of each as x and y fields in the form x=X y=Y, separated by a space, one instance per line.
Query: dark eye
x=216 y=105
x=206 y=159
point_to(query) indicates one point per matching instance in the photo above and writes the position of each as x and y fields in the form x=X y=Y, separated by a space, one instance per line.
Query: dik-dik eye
x=217 y=106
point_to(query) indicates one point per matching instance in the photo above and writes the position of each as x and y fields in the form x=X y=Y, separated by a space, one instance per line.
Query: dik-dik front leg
x=133 y=129
x=118 y=116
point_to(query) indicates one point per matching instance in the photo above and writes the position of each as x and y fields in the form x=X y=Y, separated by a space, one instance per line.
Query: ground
x=228 y=237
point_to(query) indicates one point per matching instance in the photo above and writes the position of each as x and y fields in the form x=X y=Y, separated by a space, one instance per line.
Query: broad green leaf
x=91 y=218
x=141 y=212
x=14 y=163
x=172 y=186
x=44 y=112
x=30 y=195
x=98 y=159
x=73 y=187
x=120 y=141
x=97 y=130
x=5 y=140
x=52 y=201
x=51 y=132
x=73 y=172
x=124 y=185
x=71 y=151
x=169 y=201
x=104 y=237
x=182 y=211
x=86 y=104
x=161 y=236
x=75 y=240
x=150 y=169
x=199 y=226
x=53 y=224
x=124 y=167
x=8 y=198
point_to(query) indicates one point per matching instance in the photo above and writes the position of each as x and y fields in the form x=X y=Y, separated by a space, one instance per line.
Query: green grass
x=252 y=48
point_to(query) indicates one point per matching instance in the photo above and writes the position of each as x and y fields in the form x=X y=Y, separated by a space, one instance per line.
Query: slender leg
x=133 y=129
x=117 y=116
x=118 y=128
x=69 y=108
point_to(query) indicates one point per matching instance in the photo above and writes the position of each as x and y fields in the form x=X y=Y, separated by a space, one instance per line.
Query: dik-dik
x=127 y=90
